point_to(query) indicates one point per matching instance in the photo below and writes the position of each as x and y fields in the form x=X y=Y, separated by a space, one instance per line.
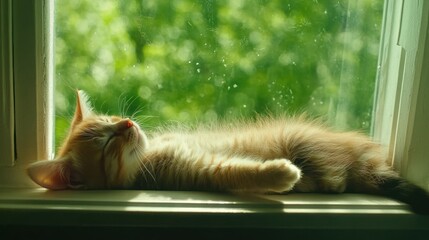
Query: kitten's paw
x=279 y=175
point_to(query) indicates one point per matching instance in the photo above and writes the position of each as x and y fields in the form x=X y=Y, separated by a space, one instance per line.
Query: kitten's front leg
x=240 y=174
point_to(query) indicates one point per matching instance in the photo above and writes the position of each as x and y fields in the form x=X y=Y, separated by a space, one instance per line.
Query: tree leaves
x=203 y=60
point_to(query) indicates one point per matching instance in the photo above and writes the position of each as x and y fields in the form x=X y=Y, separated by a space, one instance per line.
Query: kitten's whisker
x=143 y=173
x=142 y=160
x=143 y=119
x=152 y=167
x=126 y=107
x=122 y=103
x=151 y=175
x=136 y=112
x=129 y=103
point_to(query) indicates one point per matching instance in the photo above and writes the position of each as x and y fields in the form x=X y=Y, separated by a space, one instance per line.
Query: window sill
x=200 y=210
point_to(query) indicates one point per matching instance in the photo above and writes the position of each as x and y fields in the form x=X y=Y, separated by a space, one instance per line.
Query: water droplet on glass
x=235 y=86
x=198 y=70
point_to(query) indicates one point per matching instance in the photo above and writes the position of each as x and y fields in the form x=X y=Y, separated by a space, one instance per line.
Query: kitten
x=266 y=156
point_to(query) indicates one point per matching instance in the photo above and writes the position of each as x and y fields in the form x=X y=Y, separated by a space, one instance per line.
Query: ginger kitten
x=265 y=156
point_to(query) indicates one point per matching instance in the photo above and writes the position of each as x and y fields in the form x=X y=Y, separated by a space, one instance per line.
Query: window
x=200 y=61
x=25 y=97
x=186 y=61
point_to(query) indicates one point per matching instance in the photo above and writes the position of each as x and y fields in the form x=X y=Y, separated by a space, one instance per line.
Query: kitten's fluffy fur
x=267 y=155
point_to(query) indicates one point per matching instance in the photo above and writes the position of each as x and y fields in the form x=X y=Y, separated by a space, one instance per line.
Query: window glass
x=193 y=61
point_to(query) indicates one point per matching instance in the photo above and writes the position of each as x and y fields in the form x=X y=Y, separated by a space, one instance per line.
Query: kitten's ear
x=83 y=107
x=51 y=174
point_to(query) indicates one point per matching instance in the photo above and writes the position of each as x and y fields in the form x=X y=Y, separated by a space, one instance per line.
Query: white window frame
x=26 y=87
x=26 y=102
x=401 y=110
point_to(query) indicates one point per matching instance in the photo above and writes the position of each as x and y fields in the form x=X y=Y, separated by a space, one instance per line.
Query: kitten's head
x=100 y=152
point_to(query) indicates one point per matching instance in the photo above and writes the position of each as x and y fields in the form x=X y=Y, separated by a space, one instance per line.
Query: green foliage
x=203 y=60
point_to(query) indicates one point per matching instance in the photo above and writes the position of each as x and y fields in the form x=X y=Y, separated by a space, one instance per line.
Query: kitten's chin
x=133 y=153
x=141 y=140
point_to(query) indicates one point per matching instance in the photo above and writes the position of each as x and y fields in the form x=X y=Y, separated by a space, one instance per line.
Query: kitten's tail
x=402 y=190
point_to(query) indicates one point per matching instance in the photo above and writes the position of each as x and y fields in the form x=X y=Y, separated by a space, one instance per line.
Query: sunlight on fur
x=268 y=155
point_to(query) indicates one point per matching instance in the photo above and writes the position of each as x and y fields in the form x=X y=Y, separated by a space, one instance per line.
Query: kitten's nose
x=129 y=123
x=124 y=124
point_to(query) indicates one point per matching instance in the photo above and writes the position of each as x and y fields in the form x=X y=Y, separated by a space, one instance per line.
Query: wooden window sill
x=42 y=209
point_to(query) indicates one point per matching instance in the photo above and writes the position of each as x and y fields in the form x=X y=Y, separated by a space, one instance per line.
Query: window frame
x=27 y=86
x=401 y=86
x=32 y=110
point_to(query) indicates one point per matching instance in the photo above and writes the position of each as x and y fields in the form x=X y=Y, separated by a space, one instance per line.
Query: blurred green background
x=205 y=60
